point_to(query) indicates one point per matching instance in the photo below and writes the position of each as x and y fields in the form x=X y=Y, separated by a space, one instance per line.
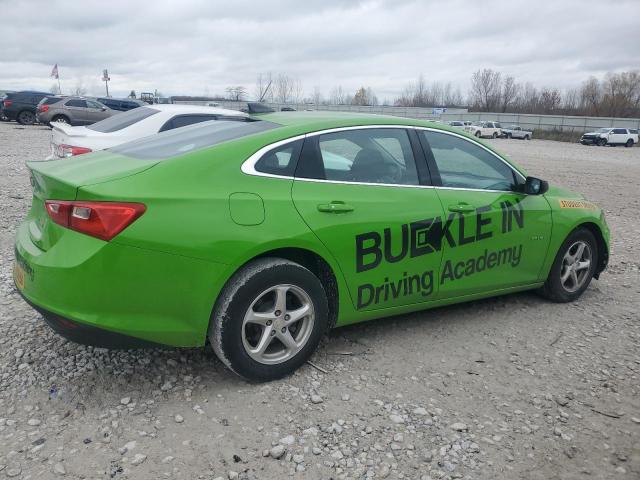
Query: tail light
x=7 y=103
x=64 y=151
x=103 y=220
x=43 y=108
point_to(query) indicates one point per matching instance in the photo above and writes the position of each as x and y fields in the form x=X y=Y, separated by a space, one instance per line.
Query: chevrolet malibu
x=260 y=235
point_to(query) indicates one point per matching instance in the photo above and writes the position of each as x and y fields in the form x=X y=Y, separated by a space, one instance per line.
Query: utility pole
x=105 y=79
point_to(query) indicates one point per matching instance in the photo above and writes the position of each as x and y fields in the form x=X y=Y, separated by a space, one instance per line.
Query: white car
x=611 y=136
x=516 y=131
x=67 y=141
x=484 y=129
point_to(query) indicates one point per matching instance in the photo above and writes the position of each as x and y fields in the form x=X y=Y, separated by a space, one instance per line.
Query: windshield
x=122 y=120
x=180 y=141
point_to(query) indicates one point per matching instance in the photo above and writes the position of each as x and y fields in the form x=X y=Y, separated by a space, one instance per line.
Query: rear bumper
x=97 y=292
x=88 y=335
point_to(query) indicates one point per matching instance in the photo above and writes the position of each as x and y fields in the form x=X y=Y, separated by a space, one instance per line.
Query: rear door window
x=76 y=103
x=280 y=161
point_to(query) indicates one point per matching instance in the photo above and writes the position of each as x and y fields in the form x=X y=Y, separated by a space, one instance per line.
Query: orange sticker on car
x=577 y=204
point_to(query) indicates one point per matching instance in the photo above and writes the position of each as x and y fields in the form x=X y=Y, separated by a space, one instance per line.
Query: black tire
x=26 y=117
x=237 y=297
x=602 y=142
x=527 y=137
x=61 y=119
x=553 y=289
x=629 y=143
x=495 y=135
x=509 y=136
x=478 y=134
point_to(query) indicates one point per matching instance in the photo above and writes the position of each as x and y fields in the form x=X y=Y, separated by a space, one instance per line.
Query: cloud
x=198 y=46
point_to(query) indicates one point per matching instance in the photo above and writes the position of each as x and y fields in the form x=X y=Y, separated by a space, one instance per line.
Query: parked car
x=124 y=127
x=484 y=129
x=260 y=235
x=516 y=131
x=21 y=106
x=610 y=136
x=121 y=104
x=73 y=111
x=457 y=124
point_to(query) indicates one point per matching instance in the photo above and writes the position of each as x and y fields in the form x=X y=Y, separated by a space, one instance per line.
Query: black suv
x=121 y=104
x=21 y=106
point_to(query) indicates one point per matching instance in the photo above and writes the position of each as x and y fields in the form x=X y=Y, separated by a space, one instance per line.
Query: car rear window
x=191 y=138
x=51 y=100
x=122 y=120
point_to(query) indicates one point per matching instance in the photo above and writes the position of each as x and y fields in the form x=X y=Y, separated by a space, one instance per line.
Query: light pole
x=105 y=79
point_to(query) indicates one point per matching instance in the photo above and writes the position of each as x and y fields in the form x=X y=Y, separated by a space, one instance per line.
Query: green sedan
x=262 y=233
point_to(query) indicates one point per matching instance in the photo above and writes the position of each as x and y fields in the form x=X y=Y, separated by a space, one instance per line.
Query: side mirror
x=535 y=186
x=103 y=109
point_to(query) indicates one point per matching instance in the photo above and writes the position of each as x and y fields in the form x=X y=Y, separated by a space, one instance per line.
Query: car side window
x=372 y=155
x=91 y=104
x=281 y=160
x=620 y=131
x=463 y=164
x=76 y=103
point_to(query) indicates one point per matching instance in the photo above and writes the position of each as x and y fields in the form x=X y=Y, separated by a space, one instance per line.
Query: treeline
x=615 y=95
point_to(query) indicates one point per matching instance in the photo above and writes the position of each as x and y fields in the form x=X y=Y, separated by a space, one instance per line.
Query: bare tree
x=485 y=89
x=236 y=93
x=591 y=96
x=337 y=96
x=509 y=93
x=550 y=100
x=317 y=98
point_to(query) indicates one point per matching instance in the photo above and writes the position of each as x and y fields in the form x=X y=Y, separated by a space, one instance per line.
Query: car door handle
x=335 y=207
x=461 y=208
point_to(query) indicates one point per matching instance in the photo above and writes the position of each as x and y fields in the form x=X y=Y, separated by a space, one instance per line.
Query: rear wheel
x=527 y=137
x=495 y=135
x=269 y=319
x=26 y=117
x=629 y=143
x=61 y=119
x=573 y=267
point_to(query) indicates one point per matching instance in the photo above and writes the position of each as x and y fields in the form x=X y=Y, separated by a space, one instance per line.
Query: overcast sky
x=203 y=46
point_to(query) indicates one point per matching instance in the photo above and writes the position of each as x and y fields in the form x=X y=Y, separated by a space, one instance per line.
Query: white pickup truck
x=611 y=136
x=516 y=131
x=484 y=129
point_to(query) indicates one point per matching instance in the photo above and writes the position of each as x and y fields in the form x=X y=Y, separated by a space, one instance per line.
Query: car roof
x=320 y=120
x=185 y=108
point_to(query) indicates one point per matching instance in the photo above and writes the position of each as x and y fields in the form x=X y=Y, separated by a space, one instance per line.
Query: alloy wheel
x=576 y=265
x=278 y=324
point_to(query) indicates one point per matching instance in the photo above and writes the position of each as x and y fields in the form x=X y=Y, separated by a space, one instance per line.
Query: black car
x=121 y=104
x=21 y=106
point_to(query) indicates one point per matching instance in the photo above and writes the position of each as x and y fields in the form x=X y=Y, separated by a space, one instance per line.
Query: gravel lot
x=511 y=387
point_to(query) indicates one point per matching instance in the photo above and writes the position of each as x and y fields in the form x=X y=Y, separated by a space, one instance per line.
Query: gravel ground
x=511 y=387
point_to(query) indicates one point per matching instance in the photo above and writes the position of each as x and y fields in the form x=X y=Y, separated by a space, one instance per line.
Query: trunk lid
x=64 y=134
x=61 y=179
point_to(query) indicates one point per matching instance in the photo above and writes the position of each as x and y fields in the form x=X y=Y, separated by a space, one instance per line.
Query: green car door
x=493 y=237
x=364 y=193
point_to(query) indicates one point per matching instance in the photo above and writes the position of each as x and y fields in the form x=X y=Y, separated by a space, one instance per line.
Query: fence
x=565 y=123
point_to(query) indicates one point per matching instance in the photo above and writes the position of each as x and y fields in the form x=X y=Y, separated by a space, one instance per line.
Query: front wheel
x=495 y=135
x=478 y=134
x=573 y=267
x=602 y=142
x=269 y=319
